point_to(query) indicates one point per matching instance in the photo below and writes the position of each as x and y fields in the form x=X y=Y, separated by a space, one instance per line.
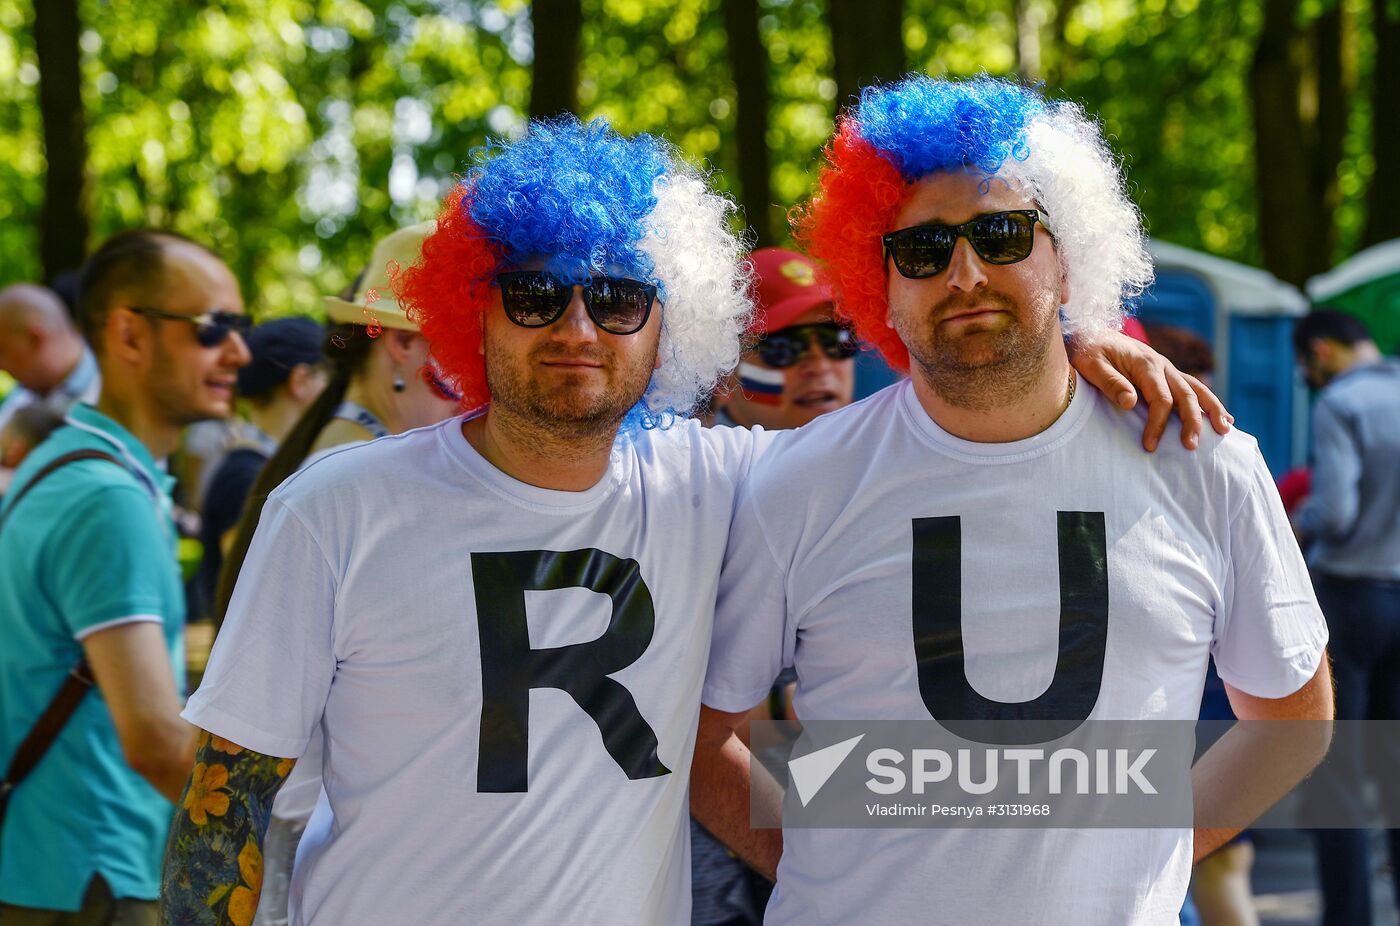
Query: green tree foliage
x=1170 y=81
x=288 y=134
x=291 y=133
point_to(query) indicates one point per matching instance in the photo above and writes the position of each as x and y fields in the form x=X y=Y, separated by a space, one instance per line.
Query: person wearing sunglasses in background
x=902 y=554
x=800 y=364
x=88 y=572
x=499 y=623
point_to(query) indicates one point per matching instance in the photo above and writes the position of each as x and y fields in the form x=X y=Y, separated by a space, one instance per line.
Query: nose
x=575 y=325
x=965 y=271
x=236 y=350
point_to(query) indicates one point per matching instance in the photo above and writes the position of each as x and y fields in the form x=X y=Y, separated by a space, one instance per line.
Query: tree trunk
x=1383 y=196
x=557 y=26
x=1329 y=128
x=1064 y=59
x=64 y=223
x=1028 y=57
x=748 y=60
x=1299 y=121
x=867 y=44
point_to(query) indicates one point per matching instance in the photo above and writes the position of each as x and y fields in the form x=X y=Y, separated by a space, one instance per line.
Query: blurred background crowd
x=301 y=144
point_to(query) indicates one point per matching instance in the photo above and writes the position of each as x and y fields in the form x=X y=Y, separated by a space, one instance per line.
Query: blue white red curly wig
x=900 y=133
x=588 y=201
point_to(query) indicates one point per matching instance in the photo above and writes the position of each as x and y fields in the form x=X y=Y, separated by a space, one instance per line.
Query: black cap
x=278 y=346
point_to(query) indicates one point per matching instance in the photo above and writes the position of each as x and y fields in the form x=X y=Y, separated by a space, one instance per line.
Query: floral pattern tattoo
x=213 y=860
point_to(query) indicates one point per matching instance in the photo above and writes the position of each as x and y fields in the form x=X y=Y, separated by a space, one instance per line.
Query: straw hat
x=392 y=255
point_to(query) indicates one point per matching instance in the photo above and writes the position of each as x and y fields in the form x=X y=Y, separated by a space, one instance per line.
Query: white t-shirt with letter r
x=507 y=678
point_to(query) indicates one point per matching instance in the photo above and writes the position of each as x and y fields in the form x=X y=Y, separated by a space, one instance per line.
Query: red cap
x=785 y=287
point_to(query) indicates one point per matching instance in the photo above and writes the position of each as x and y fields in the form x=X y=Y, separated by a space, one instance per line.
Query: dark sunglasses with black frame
x=210 y=328
x=788 y=346
x=922 y=251
x=537 y=298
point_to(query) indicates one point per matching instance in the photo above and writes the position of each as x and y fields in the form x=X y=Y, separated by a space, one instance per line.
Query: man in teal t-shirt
x=88 y=569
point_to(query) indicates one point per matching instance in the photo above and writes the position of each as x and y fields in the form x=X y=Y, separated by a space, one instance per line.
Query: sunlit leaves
x=291 y=133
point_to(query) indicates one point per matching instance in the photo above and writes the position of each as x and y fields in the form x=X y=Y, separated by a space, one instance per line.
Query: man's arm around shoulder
x=720 y=789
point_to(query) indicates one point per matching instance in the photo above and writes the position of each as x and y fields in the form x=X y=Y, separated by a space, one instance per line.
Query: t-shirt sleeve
x=119 y=562
x=738 y=448
x=749 y=648
x=270 y=671
x=1270 y=634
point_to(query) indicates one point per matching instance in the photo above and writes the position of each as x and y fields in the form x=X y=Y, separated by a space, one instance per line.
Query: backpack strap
x=57 y=463
x=79 y=679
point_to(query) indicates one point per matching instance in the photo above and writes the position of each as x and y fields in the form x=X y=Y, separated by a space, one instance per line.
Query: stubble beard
x=172 y=395
x=563 y=414
x=1000 y=369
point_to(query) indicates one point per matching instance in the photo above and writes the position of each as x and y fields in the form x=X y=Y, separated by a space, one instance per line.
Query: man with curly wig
x=500 y=624
x=904 y=554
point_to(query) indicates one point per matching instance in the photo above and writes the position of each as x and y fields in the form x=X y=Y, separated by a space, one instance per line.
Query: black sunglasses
x=922 y=251
x=787 y=346
x=534 y=299
x=210 y=328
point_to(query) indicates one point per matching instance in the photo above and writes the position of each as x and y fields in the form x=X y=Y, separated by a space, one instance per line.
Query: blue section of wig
x=575 y=193
x=924 y=125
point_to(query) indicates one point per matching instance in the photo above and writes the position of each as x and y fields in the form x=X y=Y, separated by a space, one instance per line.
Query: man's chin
x=970 y=358
x=585 y=412
x=211 y=409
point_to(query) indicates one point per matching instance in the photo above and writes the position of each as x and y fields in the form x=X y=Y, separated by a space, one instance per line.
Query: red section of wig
x=858 y=194
x=447 y=293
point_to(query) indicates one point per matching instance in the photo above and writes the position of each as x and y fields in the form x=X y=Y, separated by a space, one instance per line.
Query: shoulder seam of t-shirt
x=311 y=535
x=1216 y=465
x=330 y=452
x=767 y=540
x=88 y=631
x=1233 y=509
x=789 y=617
x=716 y=438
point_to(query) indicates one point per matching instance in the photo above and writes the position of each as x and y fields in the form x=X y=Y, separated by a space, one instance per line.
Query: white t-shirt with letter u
x=1194 y=557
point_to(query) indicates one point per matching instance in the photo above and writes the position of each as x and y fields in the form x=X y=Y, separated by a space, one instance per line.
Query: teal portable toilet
x=1247 y=316
x=1367 y=286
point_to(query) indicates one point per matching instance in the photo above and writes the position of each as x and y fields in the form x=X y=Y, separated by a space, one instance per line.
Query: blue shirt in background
x=1352 y=516
x=92 y=546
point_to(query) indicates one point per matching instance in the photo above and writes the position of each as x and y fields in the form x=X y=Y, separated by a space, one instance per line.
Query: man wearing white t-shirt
x=499 y=624
x=904 y=554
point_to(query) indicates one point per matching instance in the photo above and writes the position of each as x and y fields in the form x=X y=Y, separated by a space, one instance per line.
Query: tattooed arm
x=213 y=861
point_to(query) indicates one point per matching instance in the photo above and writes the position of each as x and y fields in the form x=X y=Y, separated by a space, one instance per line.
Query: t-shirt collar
x=521 y=493
x=1064 y=427
x=135 y=453
x=81 y=379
